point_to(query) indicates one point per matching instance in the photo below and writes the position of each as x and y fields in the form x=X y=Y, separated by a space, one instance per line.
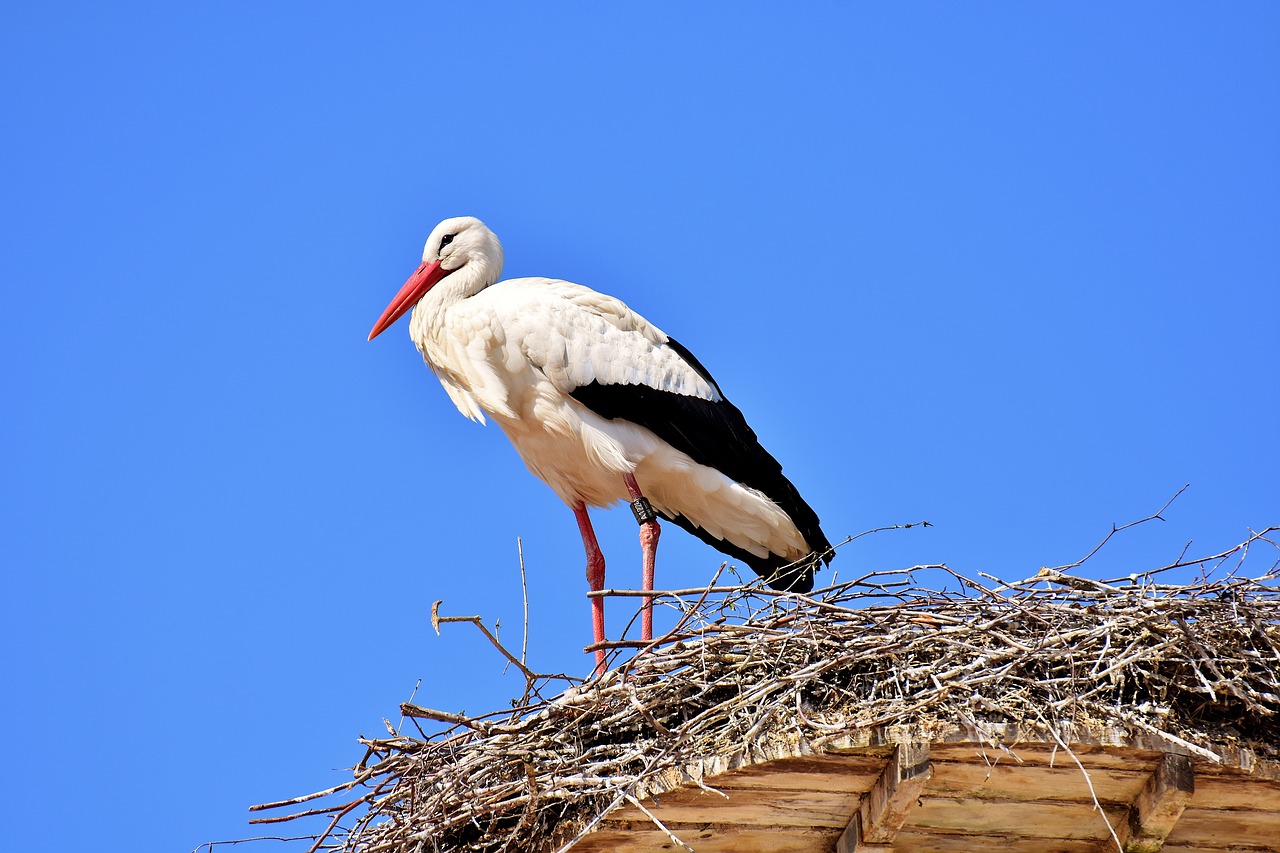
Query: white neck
x=427 y=320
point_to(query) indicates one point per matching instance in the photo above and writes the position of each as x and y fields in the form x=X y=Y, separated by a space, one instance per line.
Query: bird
x=603 y=406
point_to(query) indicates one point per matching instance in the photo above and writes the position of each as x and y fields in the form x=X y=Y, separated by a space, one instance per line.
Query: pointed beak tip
x=422 y=280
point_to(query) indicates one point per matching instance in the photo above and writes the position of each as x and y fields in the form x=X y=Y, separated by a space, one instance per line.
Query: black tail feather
x=777 y=572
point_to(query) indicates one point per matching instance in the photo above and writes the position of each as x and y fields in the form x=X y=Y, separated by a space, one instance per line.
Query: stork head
x=460 y=248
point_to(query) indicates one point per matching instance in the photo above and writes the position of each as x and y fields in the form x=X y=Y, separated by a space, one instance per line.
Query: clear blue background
x=1010 y=268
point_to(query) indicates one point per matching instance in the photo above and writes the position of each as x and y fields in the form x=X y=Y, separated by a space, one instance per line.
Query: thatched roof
x=924 y=655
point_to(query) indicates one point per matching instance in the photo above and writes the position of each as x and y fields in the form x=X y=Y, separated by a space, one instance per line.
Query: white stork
x=603 y=406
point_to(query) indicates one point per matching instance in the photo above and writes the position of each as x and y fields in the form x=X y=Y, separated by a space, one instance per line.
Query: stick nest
x=1195 y=665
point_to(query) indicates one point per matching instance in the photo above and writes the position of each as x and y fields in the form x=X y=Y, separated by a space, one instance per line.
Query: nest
x=1193 y=666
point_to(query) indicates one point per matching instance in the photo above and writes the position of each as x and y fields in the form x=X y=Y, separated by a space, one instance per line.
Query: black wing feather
x=715 y=434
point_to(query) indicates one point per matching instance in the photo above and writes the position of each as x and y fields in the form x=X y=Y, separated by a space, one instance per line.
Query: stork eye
x=446 y=240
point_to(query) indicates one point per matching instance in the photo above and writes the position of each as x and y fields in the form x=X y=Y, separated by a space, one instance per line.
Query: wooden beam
x=885 y=807
x=1160 y=803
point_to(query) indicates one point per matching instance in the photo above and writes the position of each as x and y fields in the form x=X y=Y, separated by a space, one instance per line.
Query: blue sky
x=1010 y=268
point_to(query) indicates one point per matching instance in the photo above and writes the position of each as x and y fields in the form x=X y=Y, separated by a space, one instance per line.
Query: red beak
x=422 y=280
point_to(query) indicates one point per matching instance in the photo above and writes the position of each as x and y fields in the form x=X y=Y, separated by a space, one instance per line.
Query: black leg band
x=643 y=510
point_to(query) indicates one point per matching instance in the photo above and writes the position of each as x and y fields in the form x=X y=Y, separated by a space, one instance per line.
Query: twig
x=437 y=620
x=286 y=838
x=524 y=595
x=1156 y=516
x=662 y=826
x=1085 y=773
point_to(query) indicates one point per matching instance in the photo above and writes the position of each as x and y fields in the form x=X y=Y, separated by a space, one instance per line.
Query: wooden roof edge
x=1004 y=736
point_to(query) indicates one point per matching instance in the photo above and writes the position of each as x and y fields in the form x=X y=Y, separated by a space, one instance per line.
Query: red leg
x=649 y=533
x=595 y=579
